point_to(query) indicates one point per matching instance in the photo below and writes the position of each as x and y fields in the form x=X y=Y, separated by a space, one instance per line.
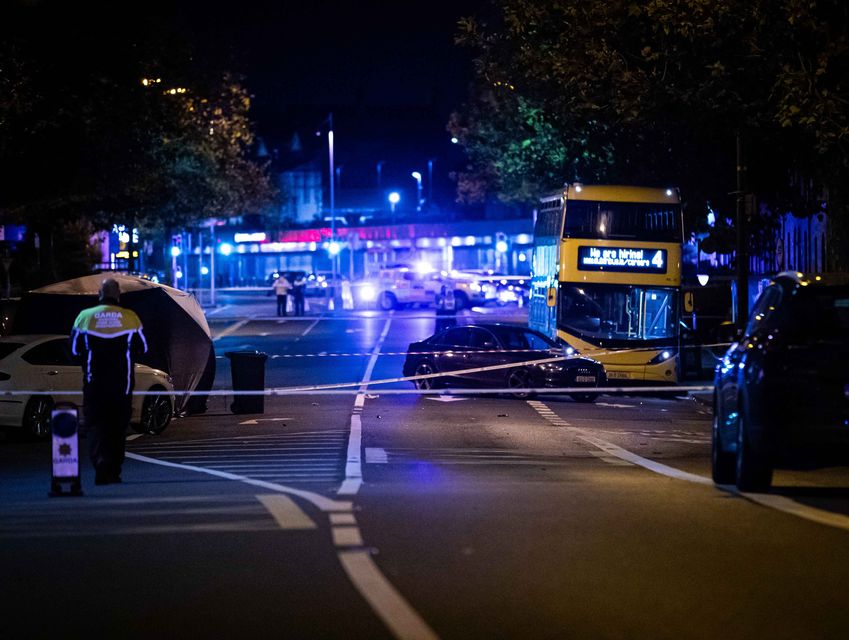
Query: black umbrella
x=178 y=337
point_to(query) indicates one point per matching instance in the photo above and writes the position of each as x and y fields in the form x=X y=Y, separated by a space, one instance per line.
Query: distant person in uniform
x=446 y=308
x=108 y=338
x=281 y=288
x=300 y=285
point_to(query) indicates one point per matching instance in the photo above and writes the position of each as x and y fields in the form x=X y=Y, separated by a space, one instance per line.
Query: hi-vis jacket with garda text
x=108 y=337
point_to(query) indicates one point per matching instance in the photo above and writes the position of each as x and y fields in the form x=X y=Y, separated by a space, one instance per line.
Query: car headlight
x=368 y=293
x=552 y=367
x=475 y=287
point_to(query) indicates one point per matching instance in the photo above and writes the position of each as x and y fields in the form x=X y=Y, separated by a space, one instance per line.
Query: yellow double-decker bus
x=607 y=277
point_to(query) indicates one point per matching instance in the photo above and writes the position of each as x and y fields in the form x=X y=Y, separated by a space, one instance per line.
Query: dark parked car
x=483 y=345
x=781 y=392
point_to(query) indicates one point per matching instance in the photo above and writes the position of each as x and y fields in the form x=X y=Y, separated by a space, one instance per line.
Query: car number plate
x=584 y=378
x=618 y=374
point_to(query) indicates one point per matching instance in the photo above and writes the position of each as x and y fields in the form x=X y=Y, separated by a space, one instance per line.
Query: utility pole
x=332 y=194
x=742 y=239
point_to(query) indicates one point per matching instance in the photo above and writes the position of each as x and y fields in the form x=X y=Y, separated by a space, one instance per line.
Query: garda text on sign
x=624 y=259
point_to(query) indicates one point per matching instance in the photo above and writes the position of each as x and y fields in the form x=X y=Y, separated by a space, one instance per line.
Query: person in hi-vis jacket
x=108 y=338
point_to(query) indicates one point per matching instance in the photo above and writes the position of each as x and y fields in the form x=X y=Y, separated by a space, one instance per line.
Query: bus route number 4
x=658 y=260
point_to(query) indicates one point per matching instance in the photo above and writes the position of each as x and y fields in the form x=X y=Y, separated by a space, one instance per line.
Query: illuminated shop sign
x=249 y=237
x=625 y=259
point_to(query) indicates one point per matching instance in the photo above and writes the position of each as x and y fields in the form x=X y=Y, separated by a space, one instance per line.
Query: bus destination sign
x=623 y=259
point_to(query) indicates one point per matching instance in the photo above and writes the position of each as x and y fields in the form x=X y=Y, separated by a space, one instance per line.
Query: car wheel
x=584 y=397
x=754 y=470
x=37 y=416
x=426 y=384
x=722 y=463
x=387 y=301
x=519 y=379
x=156 y=413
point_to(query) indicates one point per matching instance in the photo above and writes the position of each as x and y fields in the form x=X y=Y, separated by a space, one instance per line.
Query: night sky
x=389 y=72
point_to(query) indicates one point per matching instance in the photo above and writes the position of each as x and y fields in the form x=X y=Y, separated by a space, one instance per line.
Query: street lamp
x=175 y=253
x=394 y=199
x=418 y=178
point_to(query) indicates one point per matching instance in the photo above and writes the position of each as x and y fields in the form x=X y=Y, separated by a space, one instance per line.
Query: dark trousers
x=281 y=305
x=299 y=303
x=107 y=416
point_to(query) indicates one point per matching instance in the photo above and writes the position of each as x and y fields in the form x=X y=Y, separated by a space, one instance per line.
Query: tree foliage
x=104 y=126
x=655 y=92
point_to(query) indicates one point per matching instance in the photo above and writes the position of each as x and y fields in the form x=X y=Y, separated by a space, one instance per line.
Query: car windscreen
x=8 y=348
x=821 y=314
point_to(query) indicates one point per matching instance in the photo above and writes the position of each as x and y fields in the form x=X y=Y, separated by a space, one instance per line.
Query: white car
x=44 y=363
x=396 y=286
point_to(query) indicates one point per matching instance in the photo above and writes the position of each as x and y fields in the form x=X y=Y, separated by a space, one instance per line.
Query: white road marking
x=387 y=603
x=403 y=621
x=318 y=500
x=798 y=509
x=134 y=436
x=287 y=514
x=353 y=467
x=219 y=309
x=773 y=501
x=601 y=455
x=342 y=518
x=345 y=536
x=232 y=328
x=615 y=405
x=376 y=455
x=445 y=398
x=310 y=328
x=258 y=420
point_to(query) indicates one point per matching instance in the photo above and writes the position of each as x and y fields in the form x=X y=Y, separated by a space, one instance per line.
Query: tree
x=656 y=92
x=143 y=136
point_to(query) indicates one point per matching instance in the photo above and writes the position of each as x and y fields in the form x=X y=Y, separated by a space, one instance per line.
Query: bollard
x=66 y=446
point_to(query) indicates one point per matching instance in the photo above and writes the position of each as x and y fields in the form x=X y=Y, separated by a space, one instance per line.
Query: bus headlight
x=368 y=293
x=663 y=356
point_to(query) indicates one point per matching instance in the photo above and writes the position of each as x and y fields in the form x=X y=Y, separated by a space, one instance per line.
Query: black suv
x=781 y=392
